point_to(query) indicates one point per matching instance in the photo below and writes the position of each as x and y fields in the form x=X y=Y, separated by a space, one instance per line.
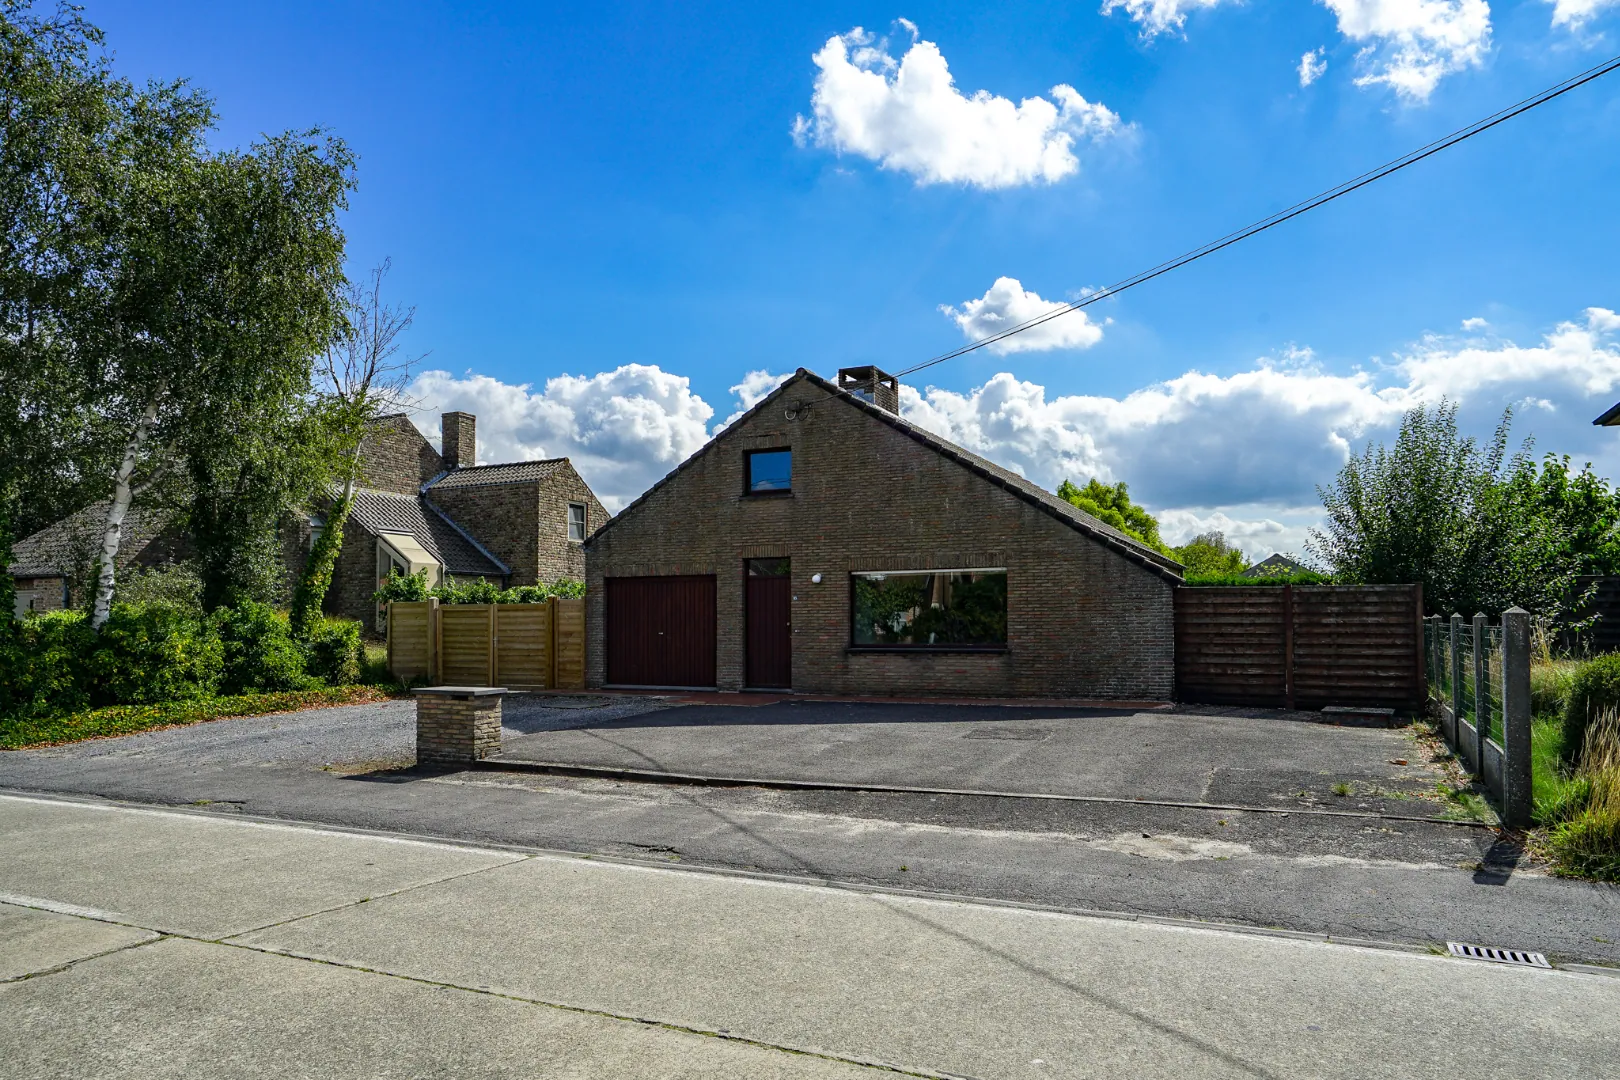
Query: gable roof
x=53 y=550
x=1610 y=418
x=515 y=472
x=415 y=515
x=1014 y=484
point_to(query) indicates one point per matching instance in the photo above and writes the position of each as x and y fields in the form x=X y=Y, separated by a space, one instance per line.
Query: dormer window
x=769 y=472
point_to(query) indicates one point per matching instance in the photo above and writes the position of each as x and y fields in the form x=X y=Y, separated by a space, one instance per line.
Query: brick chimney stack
x=871 y=384
x=460 y=439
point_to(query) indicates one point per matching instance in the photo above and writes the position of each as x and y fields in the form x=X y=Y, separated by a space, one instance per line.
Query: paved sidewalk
x=223 y=947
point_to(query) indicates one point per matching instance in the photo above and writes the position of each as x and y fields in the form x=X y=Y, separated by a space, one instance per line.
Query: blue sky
x=597 y=205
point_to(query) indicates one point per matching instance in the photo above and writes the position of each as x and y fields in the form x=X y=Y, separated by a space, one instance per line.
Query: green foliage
x=54 y=729
x=176 y=584
x=44 y=664
x=151 y=653
x=405 y=587
x=1478 y=529
x=260 y=652
x=477 y=591
x=1113 y=506
x=1586 y=843
x=900 y=609
x=335 y=652
x=1550 y=682
x=1306 y=578
x=316 y=579
x=412 y=587
x=1210 y=555
x=1593 y=690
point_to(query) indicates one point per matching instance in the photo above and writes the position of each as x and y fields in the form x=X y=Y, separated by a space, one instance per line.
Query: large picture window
x=930 y=609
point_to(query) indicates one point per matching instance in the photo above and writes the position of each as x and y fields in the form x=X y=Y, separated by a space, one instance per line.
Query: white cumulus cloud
x=909 y=116
x=1575 y=14
x=1270 y=435
x=1157 y=16
x=623 y=428
x=1410 y=45
x=1312 y=66
x=1006 y=304
x=755 y=387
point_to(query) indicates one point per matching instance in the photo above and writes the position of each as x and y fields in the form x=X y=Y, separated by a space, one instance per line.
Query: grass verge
x=1584 y=840
x=27 y=733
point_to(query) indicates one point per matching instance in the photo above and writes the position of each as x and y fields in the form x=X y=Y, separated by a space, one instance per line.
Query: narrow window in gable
x=576 y=522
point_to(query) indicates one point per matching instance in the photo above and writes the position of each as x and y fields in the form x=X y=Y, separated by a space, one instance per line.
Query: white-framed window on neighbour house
x=316 y=527
x=576 y=522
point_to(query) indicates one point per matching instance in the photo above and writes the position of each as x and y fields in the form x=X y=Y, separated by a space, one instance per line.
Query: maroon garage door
x=660 y=631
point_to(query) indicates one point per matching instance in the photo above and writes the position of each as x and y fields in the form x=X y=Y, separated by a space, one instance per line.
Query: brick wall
x=395 y=457
x=1082 y=620
x=560 y=557
x=503 y=517
x=456 y=730
x=48 y=592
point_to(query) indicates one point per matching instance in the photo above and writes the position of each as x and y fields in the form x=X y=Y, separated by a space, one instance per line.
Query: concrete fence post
x=1456 y=679
x=1517 y=797
x=1482 y=692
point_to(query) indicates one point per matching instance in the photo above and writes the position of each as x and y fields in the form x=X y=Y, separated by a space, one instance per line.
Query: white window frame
x=584 y=522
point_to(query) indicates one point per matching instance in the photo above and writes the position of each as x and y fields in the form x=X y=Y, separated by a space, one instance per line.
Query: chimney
x=460 y=441
x=869 y=383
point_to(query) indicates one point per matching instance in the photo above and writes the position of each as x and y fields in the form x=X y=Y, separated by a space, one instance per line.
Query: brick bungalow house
x=419 y=508
x=824 y=544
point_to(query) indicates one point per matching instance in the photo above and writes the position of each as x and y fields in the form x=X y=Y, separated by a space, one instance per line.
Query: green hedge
x=409 y=587
x=161 y=652
x=1306 y=578
x=1593 y=690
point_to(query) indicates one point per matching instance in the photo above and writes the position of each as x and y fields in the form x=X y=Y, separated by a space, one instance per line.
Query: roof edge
x=506 y=571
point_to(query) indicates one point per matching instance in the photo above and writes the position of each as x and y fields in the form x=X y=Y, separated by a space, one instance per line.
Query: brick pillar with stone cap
x=457 y=725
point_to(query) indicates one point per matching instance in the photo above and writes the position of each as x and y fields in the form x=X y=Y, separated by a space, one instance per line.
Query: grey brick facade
x=1089 y=612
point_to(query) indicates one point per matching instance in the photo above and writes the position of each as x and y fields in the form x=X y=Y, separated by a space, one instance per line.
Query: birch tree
x=226 y=281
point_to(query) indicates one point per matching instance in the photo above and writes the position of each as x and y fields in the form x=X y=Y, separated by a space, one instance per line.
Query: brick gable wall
x=1082 y=620
x=395 y=457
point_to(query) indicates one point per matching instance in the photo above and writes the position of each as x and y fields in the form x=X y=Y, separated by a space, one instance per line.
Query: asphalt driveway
x=1255 y=760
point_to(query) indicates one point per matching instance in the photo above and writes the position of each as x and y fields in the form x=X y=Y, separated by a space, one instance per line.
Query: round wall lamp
x=815 y=579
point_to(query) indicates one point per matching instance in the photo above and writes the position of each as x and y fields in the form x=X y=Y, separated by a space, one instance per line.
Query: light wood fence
x=522 y=646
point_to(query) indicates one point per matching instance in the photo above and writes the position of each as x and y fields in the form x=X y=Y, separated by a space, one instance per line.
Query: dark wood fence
x=1603 y=634
x=1300 y=646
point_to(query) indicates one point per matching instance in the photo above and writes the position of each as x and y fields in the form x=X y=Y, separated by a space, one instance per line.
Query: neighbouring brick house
x=46 y=566
x=823 y=543
x=418 y=508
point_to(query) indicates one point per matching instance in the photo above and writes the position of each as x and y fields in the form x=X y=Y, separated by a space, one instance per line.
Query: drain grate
x=1497 y=956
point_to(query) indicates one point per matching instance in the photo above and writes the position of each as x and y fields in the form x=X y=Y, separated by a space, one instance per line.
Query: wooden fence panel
x=1301 y=646
x=523 y=646
x=569 y=635
x=1231 y=646
x=410 y=639
x=464 y=644
x=1358 y=645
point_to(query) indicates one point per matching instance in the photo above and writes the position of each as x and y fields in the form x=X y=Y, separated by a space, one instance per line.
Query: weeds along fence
x=1479 y=685
x=521 y=646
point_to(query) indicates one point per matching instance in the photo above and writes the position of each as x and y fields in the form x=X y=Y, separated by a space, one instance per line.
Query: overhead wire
x=1410 y=158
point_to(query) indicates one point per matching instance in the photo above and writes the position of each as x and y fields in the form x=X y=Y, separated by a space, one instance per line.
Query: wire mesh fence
x=1479 y=688
x=1454 y=661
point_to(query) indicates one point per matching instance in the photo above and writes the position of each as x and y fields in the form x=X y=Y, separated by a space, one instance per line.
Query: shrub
x=402 y=587
x=1594 y=689
x=148 y=653
x=335 y=652
x=44 y=660
x=470 y=592
x=526 y=594
x=176 y=584
x=1588 y=843
x=1549 y=686
x=568 y=588
x=1306 y=578
x=260 y=652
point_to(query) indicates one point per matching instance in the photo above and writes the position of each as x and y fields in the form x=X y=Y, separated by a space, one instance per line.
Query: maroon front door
x=769 y=598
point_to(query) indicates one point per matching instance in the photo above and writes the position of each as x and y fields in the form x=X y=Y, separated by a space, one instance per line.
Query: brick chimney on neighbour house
x=871 y=384
x=460 y=439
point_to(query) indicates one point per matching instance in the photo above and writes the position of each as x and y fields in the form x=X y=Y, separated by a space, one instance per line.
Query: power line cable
x=1271 y=221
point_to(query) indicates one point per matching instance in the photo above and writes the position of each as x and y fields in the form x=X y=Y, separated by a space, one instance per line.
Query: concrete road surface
x=156 y=943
